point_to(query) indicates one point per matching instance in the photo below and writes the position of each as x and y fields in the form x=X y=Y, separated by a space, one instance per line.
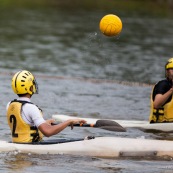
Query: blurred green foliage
x=145 y=7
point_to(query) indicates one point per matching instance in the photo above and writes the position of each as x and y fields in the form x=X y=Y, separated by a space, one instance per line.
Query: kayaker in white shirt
x=25 y=119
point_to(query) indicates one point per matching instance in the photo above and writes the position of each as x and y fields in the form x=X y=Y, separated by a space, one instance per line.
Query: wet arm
x=161 y=99
x=49 y=130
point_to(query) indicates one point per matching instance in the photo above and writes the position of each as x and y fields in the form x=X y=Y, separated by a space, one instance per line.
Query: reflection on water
x=39 y=163
x=83 y=72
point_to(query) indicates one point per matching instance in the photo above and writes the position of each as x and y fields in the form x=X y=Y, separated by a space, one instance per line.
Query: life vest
x=21 y=131
x=163 y=114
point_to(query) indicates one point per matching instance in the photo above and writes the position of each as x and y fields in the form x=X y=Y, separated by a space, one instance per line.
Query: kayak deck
x=54 y=141
x=143 y=125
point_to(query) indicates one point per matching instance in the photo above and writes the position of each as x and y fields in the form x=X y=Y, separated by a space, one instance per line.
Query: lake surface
x=82 y=72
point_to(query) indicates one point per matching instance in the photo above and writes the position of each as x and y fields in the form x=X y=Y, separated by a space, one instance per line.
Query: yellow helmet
x=22 y=82
x=169 y=64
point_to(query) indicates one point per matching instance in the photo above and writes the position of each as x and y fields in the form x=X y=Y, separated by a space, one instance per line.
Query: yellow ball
x=110 y=25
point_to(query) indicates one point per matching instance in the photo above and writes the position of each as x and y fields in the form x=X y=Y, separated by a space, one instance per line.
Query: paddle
x=104 y=124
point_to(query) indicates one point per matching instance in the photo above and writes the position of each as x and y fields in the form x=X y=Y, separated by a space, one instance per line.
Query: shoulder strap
x=24 y=102
x=21 y=101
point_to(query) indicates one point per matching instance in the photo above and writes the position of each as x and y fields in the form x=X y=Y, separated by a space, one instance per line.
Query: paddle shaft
x=84 y=125
x=79 y=125
x=104 y=124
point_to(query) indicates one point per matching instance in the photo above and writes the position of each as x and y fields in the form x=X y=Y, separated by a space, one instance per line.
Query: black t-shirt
x=161 y=88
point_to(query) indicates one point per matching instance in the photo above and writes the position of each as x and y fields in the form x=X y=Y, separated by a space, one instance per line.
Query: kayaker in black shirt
x=161 y=97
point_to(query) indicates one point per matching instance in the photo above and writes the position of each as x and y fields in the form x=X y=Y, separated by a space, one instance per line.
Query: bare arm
x=161 y=99
x=48 y=130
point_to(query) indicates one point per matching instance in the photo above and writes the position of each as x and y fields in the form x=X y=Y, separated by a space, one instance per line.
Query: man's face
x=170 y=73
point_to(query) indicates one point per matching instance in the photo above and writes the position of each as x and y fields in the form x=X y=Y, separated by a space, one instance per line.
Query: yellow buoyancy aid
x=21 y=131
x=164 y=114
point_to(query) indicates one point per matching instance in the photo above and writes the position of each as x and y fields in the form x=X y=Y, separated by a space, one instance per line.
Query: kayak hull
x=105 y=147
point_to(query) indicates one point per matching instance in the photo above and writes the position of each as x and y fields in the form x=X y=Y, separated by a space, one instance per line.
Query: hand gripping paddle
x=105 y=124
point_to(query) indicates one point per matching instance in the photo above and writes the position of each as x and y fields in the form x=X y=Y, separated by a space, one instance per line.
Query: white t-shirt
x=30 y=113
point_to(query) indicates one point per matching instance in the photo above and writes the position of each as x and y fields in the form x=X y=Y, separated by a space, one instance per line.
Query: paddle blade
x=109 y=125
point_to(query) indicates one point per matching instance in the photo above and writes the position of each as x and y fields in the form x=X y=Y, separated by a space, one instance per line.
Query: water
x=82 y=72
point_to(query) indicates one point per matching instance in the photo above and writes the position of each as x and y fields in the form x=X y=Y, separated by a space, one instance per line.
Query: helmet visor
x=35 y=87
